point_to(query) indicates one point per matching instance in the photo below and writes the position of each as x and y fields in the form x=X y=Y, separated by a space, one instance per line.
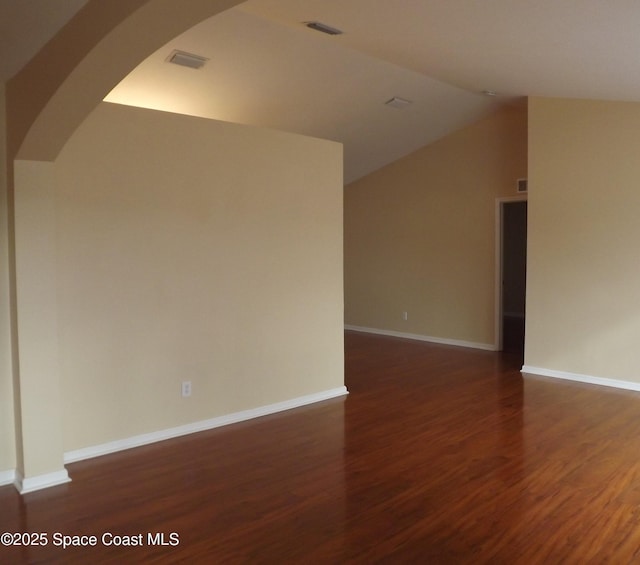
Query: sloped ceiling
x=556 y=48
x=266 y=68
x=264 y=73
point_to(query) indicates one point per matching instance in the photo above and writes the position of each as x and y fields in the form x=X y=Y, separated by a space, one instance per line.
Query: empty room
x=328 y=281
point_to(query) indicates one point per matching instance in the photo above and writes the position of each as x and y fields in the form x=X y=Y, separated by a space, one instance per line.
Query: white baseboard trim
x=600 y=381
x=30 y=484
x=7 y=477
x=153 y=437
x=430 y=339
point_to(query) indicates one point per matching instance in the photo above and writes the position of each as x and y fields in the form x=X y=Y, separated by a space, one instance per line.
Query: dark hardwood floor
x=438 y=455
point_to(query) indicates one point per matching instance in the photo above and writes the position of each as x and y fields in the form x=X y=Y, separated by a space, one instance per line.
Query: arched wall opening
x=46 y=103
x=55 y=92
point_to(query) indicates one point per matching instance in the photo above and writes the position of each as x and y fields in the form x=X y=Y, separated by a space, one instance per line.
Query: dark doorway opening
x=514 y=274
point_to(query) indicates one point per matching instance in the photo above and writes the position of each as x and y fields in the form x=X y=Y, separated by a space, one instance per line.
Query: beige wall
x=7 y=434
x=73 y=73
x=420 y=233
x=190 y=249
x=583 y=304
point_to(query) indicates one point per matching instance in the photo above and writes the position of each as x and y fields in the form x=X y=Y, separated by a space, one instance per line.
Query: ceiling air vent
x=397 y=102
x=185 y=59
x=324 y=28
x=521 y=185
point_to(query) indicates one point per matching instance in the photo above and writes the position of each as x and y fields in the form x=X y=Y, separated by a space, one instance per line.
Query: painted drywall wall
x=583 y=305
x=39 y=453
x=420 y=233
x=105 y=44
x=7 y=430
x=190 y=249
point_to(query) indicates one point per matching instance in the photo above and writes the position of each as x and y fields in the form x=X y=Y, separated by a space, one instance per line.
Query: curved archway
x=53 y=94
x=45 y=103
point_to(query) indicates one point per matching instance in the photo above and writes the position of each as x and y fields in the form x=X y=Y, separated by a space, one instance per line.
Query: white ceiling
x=267 y=69
x=264 y=73
x=557 y=48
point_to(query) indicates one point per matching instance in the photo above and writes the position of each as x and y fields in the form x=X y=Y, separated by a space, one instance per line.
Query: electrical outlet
x=186 y=388
x=404 y=316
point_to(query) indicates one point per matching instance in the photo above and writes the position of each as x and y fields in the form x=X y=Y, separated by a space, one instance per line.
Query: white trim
x=430 y=339
x=7 y=477
x=498 y=266
x=30 y=484
x=144 y=439
x=600 y=381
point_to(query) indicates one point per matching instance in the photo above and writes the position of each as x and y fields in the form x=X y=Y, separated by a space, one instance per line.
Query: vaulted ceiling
x=267 y=68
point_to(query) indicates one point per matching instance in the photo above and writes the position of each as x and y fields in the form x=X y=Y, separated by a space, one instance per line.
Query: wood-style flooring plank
x=438 y=455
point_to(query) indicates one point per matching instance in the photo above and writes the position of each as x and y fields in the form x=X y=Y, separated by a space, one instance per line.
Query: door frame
x=499 y=236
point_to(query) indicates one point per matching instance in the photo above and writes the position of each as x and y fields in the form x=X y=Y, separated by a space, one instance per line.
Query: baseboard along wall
x=25 y=485
x=7 y=477
x=419 y=337
x=567 y=376
x=203 y=425
x=30 y=484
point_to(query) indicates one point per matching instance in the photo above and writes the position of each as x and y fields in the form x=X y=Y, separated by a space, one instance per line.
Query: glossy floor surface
x=438 y=455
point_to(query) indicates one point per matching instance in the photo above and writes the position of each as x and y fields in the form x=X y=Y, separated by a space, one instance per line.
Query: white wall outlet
x=186 y=388
x=404 y=316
